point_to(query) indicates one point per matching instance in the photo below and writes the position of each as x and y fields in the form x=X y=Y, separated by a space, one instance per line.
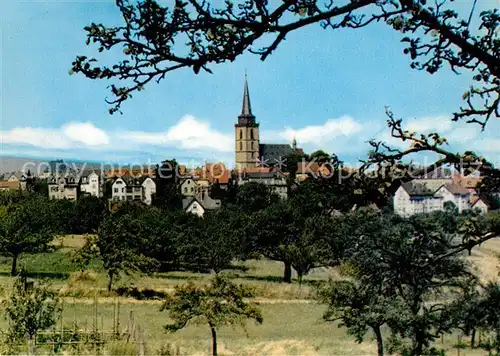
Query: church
x=248 y=149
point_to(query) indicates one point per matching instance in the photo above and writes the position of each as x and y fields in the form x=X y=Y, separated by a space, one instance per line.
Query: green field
x=292 y=320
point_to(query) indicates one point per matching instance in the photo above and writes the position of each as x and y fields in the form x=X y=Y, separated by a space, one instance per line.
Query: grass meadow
x=292 y=319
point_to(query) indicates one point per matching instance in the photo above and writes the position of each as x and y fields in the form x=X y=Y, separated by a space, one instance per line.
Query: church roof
x=246 y=117
x=274 y=153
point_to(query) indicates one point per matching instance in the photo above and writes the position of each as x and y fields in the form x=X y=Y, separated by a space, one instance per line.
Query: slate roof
x=133 y=181
x=417 y=189
x=273 y=153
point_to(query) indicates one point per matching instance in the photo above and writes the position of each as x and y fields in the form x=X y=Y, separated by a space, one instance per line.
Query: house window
x=241 y=146
x=252 y=144
x=116 y=190
x=185 y=190
x=241 y=134
x=251 y=134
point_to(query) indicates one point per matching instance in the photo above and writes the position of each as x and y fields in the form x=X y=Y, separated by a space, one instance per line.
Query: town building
x=418 y=196
x=128 y=188
x=18 y=178
x=200 y=203
x=90 y=183
x=63 y=187
x=274 y=179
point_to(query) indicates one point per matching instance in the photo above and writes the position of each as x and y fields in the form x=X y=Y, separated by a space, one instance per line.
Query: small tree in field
x=220 y=303
x=31 y=307
x=118 y=243
x=26 y=227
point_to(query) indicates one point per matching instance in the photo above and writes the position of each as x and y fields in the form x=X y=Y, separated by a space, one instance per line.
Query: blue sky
x=328 y=89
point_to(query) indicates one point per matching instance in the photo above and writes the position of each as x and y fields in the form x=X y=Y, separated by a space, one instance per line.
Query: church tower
x=246 y=134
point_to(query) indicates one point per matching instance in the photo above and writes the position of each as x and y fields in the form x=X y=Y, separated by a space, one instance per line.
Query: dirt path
x=111 y=300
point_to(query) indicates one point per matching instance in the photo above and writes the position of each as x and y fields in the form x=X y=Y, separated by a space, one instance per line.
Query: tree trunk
x=110 y=282
x=31 y=344
x=380 y=340
x=473 y=339
x=214 y=340
x=287 y=275
x=13 y=270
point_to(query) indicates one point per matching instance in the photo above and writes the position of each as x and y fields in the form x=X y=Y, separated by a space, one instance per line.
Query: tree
x=412 y=260
x=26 y=227
x=435 y=36
x=252 y=197
x=167 y=196
x=319 y=157
x=359 y=308
x=221 y=303
x=32 y=307
x=285 y=232
x=119 y=242
x=87 y=214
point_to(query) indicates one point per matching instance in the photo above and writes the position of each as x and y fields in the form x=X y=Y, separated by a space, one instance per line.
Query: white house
x=189 y=188
x=455 y=194
x=149 y=188
x=193 y=206
x=90 y=183
x=118 y=190
x=479 y=204
x=63 y=187
x=414 y=198
x=128 y=188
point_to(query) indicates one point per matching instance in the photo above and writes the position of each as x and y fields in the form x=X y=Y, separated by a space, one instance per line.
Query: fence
x=89 y=336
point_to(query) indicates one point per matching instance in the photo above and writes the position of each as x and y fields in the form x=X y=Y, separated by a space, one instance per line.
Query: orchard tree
x=119 y=241
x=25 y=228
x=252 y=197
x=32 y=307
x=218 y=304
x=359 y=308
x=412 y=260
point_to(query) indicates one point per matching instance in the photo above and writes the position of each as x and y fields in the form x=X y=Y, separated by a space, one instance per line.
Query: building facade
x=90 y=184
x=63 y=187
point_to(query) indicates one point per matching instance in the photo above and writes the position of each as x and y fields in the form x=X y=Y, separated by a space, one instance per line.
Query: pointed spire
x=294 y=143
x=246 y=109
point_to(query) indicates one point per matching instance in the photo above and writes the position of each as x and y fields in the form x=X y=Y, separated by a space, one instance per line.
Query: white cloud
x=188 y=133
x=317 y=134
x=70 y=135
x=85 y=133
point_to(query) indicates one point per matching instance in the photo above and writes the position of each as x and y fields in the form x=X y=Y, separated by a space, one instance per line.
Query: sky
x=327 y=89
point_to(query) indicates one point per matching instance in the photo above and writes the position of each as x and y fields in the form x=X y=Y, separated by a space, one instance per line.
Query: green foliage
x=252 y=197
x=26 y=227
x=214 y=241
x=86 y=215
x=32 y=307
x=119 y=243
x=221 y=303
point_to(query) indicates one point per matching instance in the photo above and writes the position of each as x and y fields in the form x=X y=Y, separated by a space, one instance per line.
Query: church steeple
x=246 y=116
x=246 y=133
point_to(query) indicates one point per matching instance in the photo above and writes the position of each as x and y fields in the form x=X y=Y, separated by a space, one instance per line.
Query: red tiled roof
x=456 y=189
